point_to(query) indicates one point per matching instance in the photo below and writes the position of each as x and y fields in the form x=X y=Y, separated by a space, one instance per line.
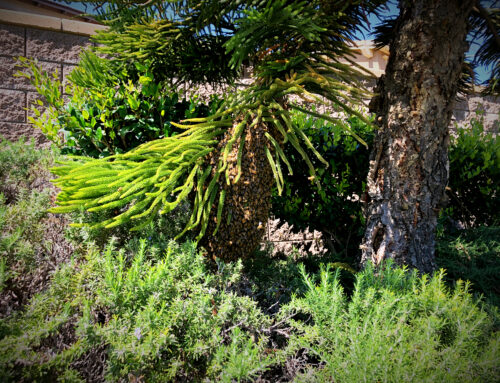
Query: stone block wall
x=57 y=52
x=467 y=108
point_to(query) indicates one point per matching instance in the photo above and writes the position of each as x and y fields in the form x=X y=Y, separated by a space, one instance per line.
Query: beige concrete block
x=12 y=40
x=461 y=104
x=9 y=68
x=463 y=119
x=7 y=79
x=465 y=110
x=492 y=99
x=492 y=123
x=14 y=131
x=67 y=69
x=81 y=27
x=30 y=19
x=459 y=115
x=55 y=46
x=12 y=105
x=485 y=104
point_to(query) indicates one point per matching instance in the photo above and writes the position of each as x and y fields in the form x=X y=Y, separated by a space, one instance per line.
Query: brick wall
x=56 y=51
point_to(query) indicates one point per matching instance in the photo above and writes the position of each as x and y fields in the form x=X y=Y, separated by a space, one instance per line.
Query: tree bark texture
x=409 y=162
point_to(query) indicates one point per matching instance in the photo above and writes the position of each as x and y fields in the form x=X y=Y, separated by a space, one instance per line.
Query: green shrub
x=109 y=109
x=396 y=327
x=4 y=275
x=473 y=255
x=22 y=230
x=167 y=319
x=474 y=182
x=22 y=166
x=24 y=200
x=334 y=208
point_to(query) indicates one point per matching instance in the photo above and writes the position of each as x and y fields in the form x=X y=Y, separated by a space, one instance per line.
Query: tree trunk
x=409 y=162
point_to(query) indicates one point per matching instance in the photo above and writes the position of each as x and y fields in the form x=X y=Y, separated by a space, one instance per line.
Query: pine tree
x=227 y=163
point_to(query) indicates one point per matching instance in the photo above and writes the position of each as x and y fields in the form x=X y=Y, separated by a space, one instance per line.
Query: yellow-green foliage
x=169 y=319
x=395 y=327
x=157 y=176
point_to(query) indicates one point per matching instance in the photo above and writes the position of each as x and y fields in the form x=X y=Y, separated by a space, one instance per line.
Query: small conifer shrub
x=395 y=327
x=146 y=316
x=225 y=163
x=473 y=255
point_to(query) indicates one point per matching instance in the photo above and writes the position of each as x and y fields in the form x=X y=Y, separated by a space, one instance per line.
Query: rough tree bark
x=409 y=163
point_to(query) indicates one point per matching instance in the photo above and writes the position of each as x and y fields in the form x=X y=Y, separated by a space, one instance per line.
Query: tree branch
x=486 y=16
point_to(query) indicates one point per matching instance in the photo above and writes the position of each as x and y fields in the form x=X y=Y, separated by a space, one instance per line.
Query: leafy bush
x=396 y=327
x=166 y=319
x=109 y=109
x=473 y=255
x=474 y=182
x=335 y=207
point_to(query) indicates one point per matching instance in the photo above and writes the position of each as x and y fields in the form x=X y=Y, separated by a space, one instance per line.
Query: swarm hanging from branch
x=299 y=50
x=157 y=176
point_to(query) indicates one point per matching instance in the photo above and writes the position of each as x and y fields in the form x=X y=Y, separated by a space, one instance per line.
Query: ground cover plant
x=395 y=327
x=160 y=317
x=31 y=239
x=473 y=255
x=152 y=309
x=170 y=318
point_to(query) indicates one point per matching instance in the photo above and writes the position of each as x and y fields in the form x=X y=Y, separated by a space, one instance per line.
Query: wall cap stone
x=49 y=22
x=81 y=27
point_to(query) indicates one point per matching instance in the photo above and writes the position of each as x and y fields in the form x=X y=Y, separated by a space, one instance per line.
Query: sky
x=482 y=72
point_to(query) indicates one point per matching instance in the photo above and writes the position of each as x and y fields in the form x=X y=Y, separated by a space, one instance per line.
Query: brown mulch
x=92 y=364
